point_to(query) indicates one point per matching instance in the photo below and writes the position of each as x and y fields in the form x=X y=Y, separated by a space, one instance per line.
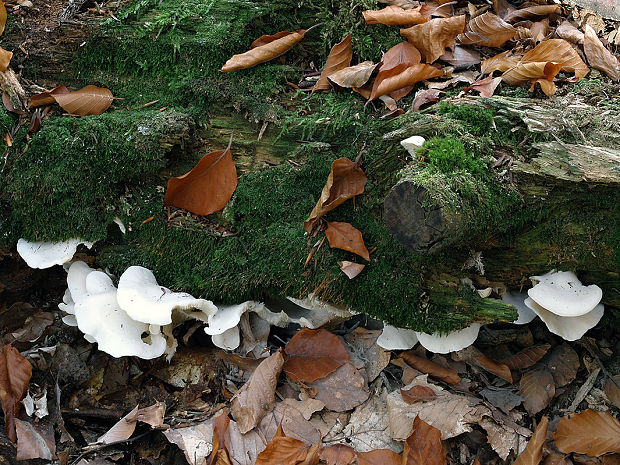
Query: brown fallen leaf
x=598 y=56
x=208 y=187
x=268 y=38
x=220 y=445
x=538 y=388
x=500 y=62
x=35 y=440
x=47 y=97
x=527 y=357
x=530 y=12
x=532 y=455
x=403 y=52
x=424 y=96
x=346 y=180
x=432 y=369
x=293 y=416
x=152 y=415
x=461 y=57
x=339 y=58
x=485 y=86
x=394 y=16
x=432 y=37
x=268 y=48
x=569 y=32
x=256 y=398
x=88 y=101
x=344 y=236
x=378 y=457
x=417 y=394
x=424 y=446
x=542 y=73
x=312 y=354
x=400 y=77
x=563 y=364
x=488 y=30
x=612 y=391
x=5 y=59
x=503 y=399
x=284 y=450
x=539 y=30
x=2 y=17
x=15 y=373
x=351 y=269
x=363 y=343
x=557 y=51
x=337 y=454
x=124 y=428
x=343 y=389
x=590 y=432
x=472 y=355
x=555 y=459
x=353 y=76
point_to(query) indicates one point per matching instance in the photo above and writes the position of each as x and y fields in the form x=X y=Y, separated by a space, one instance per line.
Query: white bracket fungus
x=517 y=300
x=412 y=144
x=48 y=254
x=451 y=342
x=393 y=338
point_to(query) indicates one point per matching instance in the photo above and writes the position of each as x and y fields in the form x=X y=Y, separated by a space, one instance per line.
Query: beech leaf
x=432 y=37
x=5 y=59
x=485 y=86
x=473 y=355
x=339 y=58
x=124 y=428
x=527 y=357
x=612 y=391
x=598 y=56
x=35 y=441
x=590 y=432
x=208 y=187
x=346 y=237
x=267 y=48
x=47 y=97
x=351 y=269
x=557 y=51
x=394 y=16
x=2 y=17
x=404 y=52
x=257 y=397
x=346 y=180
x=88 y=101
x=220 y=446
x=15 y=373
x=343 y=389
x=283 y=450
x=531 y=12
x=532 y=455
x=488 y=30
x=417 y=394
x=353 y=76
x=424 y=446
x=313 y=354
x=402 y=76
x=432 y=369
x=541 y=73
x=538 y=388
x=337 y=454
x=378 y=457
x=500 y=62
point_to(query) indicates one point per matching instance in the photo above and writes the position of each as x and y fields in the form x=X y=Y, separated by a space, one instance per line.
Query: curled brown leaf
x=353 y=76
x=530 y=12
x=89 y=100
x=500 y=62
x=47 y=97
x=527 y=357
x=488 y=30
x=5 y=59
x=400 y=77
x=598 y=56
x=15 y=373
x=433 y=369
x=3 y=17
x=532 y=455
x=344 y=236
x=557 y=51
x=432 y=37
x=339 y=58
x=394 y=16
x=590 y=432
x=541 y=73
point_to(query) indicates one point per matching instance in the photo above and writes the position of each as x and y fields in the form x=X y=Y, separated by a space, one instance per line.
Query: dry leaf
x=539 y=30
x=15 y=373
x=2 y=17
x=192 y=440
x=339 y=58
x=538 y=388
x=269 y=47
x=563 y=364
x=256 y=398
x=557 y=51
x=344 y=236
x=5 y=59
x=346 y=180
x=363 y=345
x=485 y=86
x=244 y=448
x=612 y=391
x=403 y=52
x=473 y=355
x=293 y=417
x=208 y=187
x=400 y=77
x=424 y=446
x=351 y=269
x=337 y=454
x=555 y=459
x=424 y=96
x=542 y=73
x=378 y=457
x=461 y=57
x=569 y=32
x=589 y=432
x=313 y=354
x=124 y=428
x=527 y=357
x=282 y=450
x=152 y=416
x=432 y=38
x=532 y=455
x=268 y=38
x=47 y=97
x=89 y=100
x=503 y=399
x=417 y=394
x=488 y=30
x=341 y=390
x=353 y=76
x=221 y=441
x=394 y=16
x=535 y=11
x=598 y=56
x=426 y=366
x=500 y=62
x=35 y=440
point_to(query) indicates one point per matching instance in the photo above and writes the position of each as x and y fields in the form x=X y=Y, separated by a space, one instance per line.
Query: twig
x=115 y=443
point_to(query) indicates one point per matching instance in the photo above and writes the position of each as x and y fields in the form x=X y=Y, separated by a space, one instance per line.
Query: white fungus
x=48 y=254
x=451 y=342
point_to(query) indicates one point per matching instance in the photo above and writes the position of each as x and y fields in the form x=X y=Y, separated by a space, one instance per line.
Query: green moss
x=478 y=120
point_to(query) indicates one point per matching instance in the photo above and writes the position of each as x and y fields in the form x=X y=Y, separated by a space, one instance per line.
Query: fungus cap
x=228 y=340
x=393 y=338
x=569 y=328
x=412 y=144
x=517 y=300
x=562 y=293
x=48 y=254
x=451 y=342
x=146 y=301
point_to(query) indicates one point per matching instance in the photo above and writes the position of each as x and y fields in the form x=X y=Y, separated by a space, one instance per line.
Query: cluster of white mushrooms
x=137 y=318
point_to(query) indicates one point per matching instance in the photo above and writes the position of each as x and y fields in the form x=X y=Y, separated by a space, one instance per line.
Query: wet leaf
x=500 y=62
x=15 y=373
x=530 y=12
x=341 y=390
x=346 y=237
x=557 y=51
x=538 y=388
x=424 y=446
x=339 y=58
x=351 y=269
x=378 y=457
x=89 y=100
x=532 y=455
x=589 y=432
x=598 y=56
x=208 y=187
x=426 y=366
x=400 y=77
x=47 y=97
x=337 y=454
x=267 y=48
x=488 y=30
x=432 y=37
x=527 y=357
x=473 y=355
x=346 y=180
x=485 y=86
x=394 y=16
x=35 y=441
x=417 y=394
x=612 y=391
x=313 y=354
x=353 y=76
x=503 y=399
x=563 y=364
x=2 y=17
x=541 y=73
x=220 y=445
x=257 y=397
